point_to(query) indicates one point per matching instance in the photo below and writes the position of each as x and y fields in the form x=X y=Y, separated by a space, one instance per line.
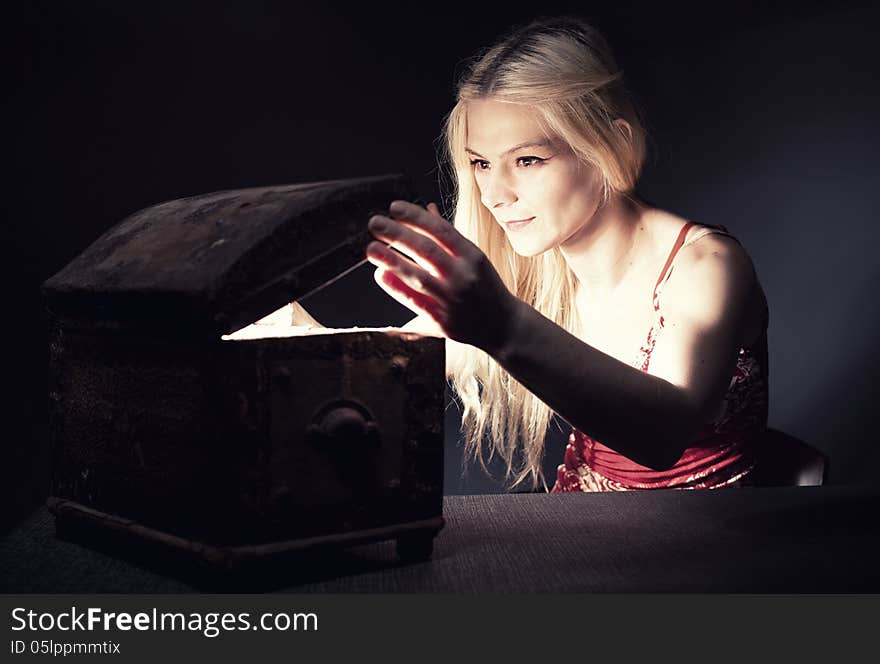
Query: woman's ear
x=624 y=127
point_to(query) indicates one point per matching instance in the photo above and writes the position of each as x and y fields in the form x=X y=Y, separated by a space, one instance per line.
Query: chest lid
x=209 y=265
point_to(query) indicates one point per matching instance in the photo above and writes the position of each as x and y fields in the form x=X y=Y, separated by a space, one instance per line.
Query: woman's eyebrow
x=542 y=143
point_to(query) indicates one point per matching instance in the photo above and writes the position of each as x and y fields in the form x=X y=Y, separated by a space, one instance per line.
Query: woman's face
x=521 y=175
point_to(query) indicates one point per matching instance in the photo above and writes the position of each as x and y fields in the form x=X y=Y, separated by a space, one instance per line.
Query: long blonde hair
x=563 y=69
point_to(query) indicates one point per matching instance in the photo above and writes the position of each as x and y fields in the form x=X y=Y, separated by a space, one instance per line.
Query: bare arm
x=647 y=417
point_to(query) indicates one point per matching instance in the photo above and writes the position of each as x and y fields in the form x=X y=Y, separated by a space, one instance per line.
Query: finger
x=419 y=279
x=432 y=209
x=412 y=255
x=399 y=246
x=420 y=247
x=415 y=301
x=436 y=226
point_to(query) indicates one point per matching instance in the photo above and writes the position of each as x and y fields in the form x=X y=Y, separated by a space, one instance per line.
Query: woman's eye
x=526 y=162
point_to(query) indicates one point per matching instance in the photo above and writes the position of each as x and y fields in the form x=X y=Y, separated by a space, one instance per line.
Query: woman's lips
x=516 y=225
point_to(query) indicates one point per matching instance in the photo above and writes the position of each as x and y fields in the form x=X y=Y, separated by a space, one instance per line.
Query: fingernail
x=377 y=224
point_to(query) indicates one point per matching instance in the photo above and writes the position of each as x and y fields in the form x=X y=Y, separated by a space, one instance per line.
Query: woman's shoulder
x=704 y=242
x=712 y=265
x=700 y=240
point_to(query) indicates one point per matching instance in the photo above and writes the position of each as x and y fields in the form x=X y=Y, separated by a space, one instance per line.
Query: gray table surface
x=780 y=540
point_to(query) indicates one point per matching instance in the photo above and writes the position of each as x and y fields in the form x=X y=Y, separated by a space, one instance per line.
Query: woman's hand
x=448 y=279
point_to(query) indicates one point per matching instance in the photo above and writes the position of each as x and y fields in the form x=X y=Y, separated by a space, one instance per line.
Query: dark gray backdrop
x=764 y=120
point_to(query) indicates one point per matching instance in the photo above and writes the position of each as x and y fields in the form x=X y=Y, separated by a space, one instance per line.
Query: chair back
x=784 y=460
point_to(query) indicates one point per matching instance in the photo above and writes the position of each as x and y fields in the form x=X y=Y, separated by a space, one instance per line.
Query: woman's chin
x=527 y=250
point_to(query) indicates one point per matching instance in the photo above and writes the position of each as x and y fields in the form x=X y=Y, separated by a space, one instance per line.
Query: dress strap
x=643 y=359
x=679 y=243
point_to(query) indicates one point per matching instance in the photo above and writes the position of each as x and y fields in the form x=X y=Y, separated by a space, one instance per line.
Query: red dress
x=723 y=452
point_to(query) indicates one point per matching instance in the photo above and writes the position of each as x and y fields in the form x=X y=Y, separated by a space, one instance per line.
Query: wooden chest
x=167 y=433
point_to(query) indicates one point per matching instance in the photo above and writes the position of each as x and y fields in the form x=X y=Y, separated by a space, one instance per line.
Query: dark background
x=764 y=119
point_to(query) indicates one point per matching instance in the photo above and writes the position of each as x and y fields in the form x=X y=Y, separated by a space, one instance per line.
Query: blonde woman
x=561 y=292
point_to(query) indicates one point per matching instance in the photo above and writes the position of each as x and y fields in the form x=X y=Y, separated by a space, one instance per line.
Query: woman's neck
x=608 y=247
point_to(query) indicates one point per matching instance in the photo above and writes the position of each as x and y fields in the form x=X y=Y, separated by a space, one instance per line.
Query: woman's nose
x=497 y=192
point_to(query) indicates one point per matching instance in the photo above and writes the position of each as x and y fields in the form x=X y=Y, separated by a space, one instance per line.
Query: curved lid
x=214 y=263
